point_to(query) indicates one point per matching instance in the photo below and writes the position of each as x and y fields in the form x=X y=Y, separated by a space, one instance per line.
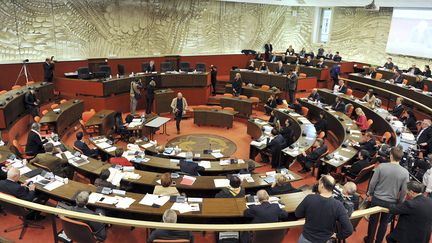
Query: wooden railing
x=177 y=226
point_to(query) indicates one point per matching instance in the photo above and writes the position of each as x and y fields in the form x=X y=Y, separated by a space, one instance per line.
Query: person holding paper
x=179 y=106
x=234 y=190
x=58 y=166
x=166 y=187
x=281 y=185
x=99 y=229
x=170 y=216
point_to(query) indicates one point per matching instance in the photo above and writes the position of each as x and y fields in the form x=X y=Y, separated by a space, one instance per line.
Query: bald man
x=266 y=212
x=12 y=187
x=179 y=106
x=314 y=96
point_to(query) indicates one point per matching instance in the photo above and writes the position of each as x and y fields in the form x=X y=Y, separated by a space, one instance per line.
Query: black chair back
x=13 y=209
x=106 y=69
x=268 y=236
x=83 y=73
x=165 y=67
x=121 y=69
x=144 y=66
x=200 y=67
x=185 y=66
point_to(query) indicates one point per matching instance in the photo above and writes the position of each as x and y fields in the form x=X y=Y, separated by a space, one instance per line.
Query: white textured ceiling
x=340 y=3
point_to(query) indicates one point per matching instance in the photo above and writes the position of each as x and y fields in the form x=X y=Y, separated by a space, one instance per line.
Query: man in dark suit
x=274 y=147
x=280 y=69
x=213 y=78
x=337 y=57
x=31 y=102
x=307 y=161
x=265 y=212
x=389 y=64
x=320 y=53
x=413 y=70
x=362 y=162
x=398 y=108
x=342 y=87
x=12 y=187
x=237 y=85
x=334 y=73
x=79 y=144
x=397 y=77
x=99 y=229
x=150 y=96
x=308 y=62
x=424 y=137
x=287 y=132
x=35 y=142
x=368 y=143
x=415 y=220
x=58 y=166
x=320 y=64
x=48 y=69
x=314 y=96
x=151 y=67
x=268 y=48
x=292 y=84
x=190 y=167
x=170 y=216
x=339 y=105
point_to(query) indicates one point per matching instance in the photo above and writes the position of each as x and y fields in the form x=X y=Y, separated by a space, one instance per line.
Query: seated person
x=102 y=180
x=368 y=143
x=263 y=67
x=424 y=136
x=311 y=54
x=414 y=70
x=234 y=190
x=58 y=166
x=284 y=59
x=389 y=64
x=427 y=71
x=258 y=56
x=339 y=105
x=280 y=69
x=320 y=63
x=287 y=132
x=337 y=57
x=169 y=216
x=251 y=66
x=348 y=197
x=314 y=96
x=397 y=77
x=281 y=185
x=290 y=51
x=274 y=147
x=302 y=52
x=307 y=161
x=372 y=72
x=383 y=154
x=361 y=120
x=120 y=126
x=99 y=229
x=167 y=186
x=296 y=61
x=11 y=186
x=410 y=121
x=398 y=108
x=308 y=62
x=265 y=212
x=190 y=167
x=341 y=88
x=35 y=141
x=419 y=83
x=321 y=123
x=363 y=161
x=119 y=159
x=79 y=144
x=370 y=98
x=270 y=104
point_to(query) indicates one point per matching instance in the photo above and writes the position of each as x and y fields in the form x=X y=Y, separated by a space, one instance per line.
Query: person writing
x=179 y=106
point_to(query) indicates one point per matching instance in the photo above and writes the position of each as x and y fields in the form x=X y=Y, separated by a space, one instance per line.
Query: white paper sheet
x=221 y=182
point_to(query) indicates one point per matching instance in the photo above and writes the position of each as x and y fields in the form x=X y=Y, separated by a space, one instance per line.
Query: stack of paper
x=115 y=176
x=53 y=185
x=103 y=145
x=204 y=163
x=150 y=200
x=185 y=207
x=217 y=155
x=124 y=202
x=224 y=162
x=408 y=136
x=188 y=180
x=221 y=182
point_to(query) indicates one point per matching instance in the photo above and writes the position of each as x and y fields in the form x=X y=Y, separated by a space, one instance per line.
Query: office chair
x=83 y=73
x=200 y=67
x=165 y=67
x=121 y=69
x=185 y=66
x=106 y=69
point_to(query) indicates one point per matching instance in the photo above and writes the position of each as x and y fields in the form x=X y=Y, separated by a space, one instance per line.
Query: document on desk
x=304 y=120
x=160 y=201
x=53 y=185
x=221 y=182
x=188 y=180
x=181 y=155
x=111 y=149
x=108 y=200
x=181 y=207
x=149 y=199
x=224 y=162
x=124 y=202
x=24 y=170
x=94 y=197
x=103 y=145
x=205 y=163
x=217 y=155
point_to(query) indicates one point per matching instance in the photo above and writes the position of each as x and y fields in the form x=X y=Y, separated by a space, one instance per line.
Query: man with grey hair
x=266 y=212
x=58 y=166
x=179 y=106
x=424 y=137
x=170 y=216
x=12 y=187
x=99 y=229
x=35 y=142
x=348 y=197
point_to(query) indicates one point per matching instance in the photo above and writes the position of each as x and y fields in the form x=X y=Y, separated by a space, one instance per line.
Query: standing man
x=179 y=106
x=48 y=69
x=334 y=74
x=31 y=102
x=237 y=85
x=292 y=85
x=150 y=96
x=213 y=78
x=135 y=95
x=321 y=212
x=386 y=188
x=415 y=220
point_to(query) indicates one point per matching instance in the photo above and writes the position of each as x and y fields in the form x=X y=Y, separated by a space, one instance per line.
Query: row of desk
x=388 y=74
x=12 y=102
x=319 y=73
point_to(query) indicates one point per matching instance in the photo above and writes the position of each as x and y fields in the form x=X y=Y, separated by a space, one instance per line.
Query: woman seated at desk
x=234 y=190
x=370 y=98
x=167 y=187
x=119 y=159
x=281 y=185
x=263 y=67
x=361 y=120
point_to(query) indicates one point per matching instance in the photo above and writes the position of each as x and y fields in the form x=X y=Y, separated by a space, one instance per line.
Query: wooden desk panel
x=162 y=100
x=104 y=119
x=243 y=106
x=263 y=95
x=184 y=80
x=219 y=118
x=70 y=112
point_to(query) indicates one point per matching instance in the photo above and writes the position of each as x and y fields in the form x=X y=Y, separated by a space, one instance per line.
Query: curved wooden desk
x=12 y=102
x=338 y=124
x=319 y=73
x=214 y=117
x=70 y=112
x=103 y=119
x=243 y=106
x=255 y=91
